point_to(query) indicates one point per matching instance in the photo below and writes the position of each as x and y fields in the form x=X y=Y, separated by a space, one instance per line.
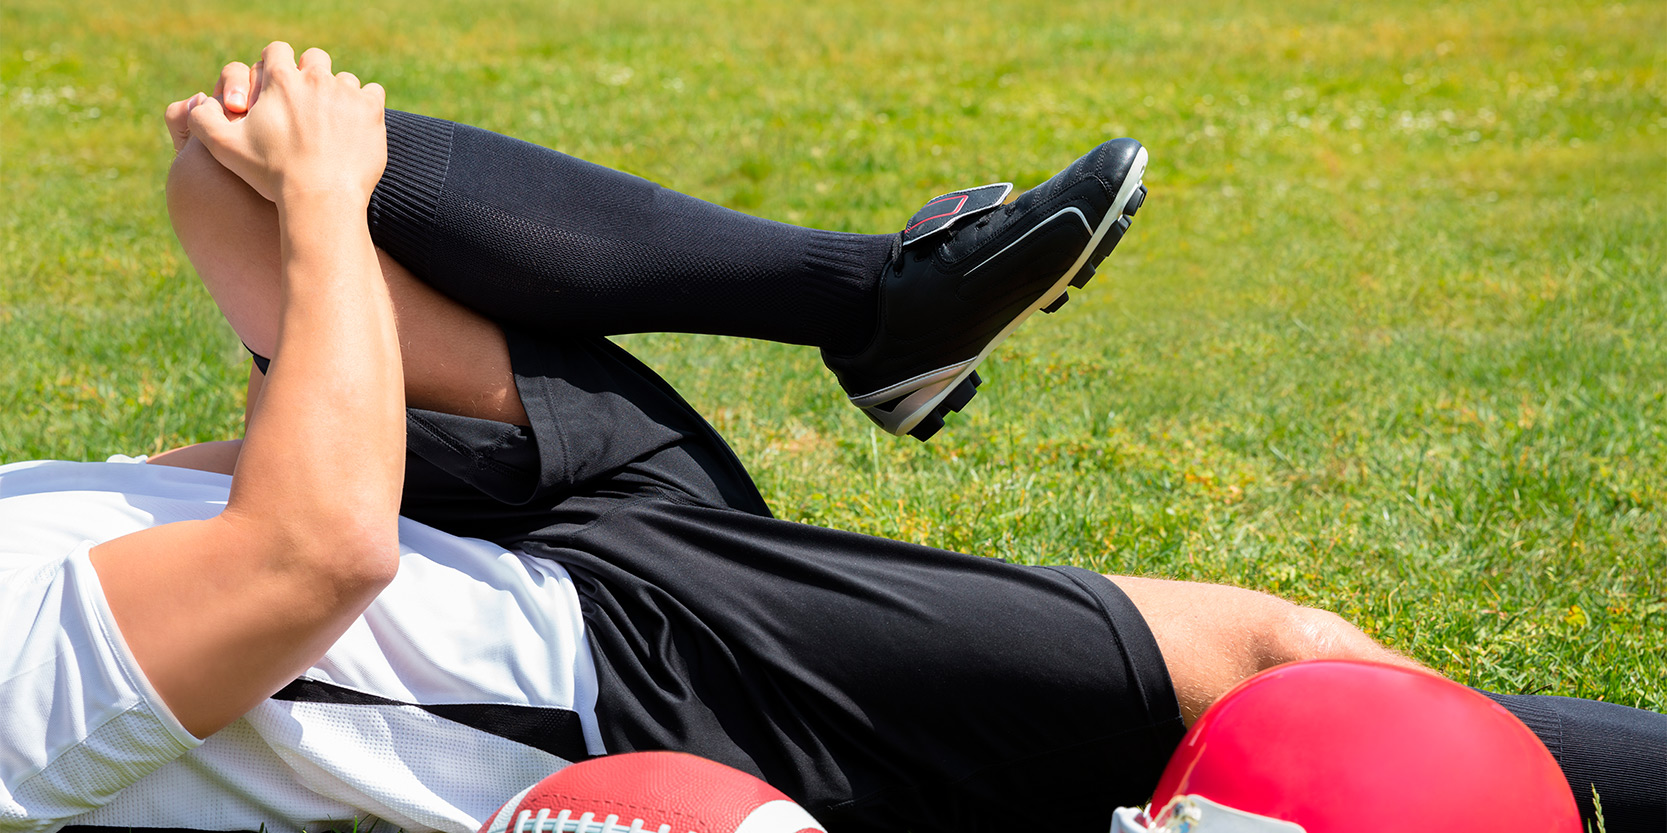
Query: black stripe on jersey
x=553 y=730
x=93 y=828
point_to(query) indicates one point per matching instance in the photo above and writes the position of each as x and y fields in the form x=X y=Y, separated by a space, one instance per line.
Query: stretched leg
x=1619 y=752
x=1212 y=637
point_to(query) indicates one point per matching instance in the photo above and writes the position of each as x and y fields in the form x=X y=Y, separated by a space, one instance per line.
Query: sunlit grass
x=1388 y=337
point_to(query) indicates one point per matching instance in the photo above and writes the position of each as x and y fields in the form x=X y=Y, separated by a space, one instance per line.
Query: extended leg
x=1618 y=752
x=1213 y=636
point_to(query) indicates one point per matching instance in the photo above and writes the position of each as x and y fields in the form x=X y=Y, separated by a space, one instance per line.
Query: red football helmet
x=1334 y=746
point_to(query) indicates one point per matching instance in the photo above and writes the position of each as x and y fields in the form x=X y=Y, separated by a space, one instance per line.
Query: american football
x=662 y=792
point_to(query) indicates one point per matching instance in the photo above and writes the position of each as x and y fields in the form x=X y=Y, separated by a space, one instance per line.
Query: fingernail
x=234 y=98
x=195 y=100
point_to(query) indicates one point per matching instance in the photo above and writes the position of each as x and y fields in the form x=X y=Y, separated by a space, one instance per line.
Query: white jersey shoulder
x=466 y=680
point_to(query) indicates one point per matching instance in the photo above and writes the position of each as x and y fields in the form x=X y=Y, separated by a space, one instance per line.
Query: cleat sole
x=915 y=407
x=1052 y=308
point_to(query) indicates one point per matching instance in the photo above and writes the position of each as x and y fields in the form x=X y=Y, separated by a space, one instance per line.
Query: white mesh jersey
x=467 y=679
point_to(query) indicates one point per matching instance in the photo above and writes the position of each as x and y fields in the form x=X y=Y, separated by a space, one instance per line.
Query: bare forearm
x=328 y=437
x=219 y=456
x=314 y=503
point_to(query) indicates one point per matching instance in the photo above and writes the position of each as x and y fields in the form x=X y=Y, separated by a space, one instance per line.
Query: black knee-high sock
x=1621 y=751
x=535 y=237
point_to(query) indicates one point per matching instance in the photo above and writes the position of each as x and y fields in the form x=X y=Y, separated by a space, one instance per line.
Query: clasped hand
x=314 y=133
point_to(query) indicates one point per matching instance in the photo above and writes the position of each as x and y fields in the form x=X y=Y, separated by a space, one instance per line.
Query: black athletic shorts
x=883 y=685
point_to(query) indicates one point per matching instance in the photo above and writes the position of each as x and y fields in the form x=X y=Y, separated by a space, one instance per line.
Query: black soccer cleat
x=958 y=286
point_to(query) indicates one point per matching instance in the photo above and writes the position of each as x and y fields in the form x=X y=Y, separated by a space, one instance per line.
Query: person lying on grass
x=582 y=566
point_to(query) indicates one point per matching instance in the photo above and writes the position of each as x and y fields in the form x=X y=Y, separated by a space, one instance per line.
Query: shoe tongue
x=953 y=208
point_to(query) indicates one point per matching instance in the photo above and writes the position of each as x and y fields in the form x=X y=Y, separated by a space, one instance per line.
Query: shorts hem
x=1143 y=659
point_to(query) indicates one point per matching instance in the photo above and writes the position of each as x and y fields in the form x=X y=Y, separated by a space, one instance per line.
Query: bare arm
x=221 y=613
x=218 y=456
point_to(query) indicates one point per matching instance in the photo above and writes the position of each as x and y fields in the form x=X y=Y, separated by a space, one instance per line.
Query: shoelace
x=566 y=822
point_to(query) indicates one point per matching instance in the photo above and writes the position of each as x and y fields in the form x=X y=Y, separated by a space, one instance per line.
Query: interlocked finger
x=316 y=59
x=234 y=86
x=277 y=57
x=257 y=77
x=177 y=117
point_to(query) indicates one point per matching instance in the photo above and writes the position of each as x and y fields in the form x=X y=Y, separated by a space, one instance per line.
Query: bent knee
x=193 y=171
x=201 y=190
x=1311 y=633
x=1213 y=636
x=1298 y=633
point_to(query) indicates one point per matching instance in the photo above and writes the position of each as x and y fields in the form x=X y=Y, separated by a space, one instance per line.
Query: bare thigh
x=455 y=360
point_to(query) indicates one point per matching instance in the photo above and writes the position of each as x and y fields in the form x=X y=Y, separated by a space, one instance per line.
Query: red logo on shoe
x=960 y=201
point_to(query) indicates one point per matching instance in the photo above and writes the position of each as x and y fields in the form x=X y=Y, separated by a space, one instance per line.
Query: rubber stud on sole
x=1113 y=236
x=932 y=424
x=1083 y=276
x=1057 y=303
x=958 y=398
x=1135 y=201
x=954 y=402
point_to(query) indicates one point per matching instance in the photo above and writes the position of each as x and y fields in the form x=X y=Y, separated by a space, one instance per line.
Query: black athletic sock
x=1621 y=751
x=531 y=236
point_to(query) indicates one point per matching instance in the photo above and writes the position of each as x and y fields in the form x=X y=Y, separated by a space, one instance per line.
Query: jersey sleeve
x=80 y=720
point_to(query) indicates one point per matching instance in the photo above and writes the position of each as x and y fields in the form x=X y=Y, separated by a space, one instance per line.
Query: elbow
x=360 y=556
x=340 y=560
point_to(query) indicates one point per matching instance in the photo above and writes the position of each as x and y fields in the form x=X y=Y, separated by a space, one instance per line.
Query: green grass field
x=1388 y=337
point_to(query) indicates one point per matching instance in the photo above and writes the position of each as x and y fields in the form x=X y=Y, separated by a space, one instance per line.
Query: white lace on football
x=1197 y=814
x=566 y=822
